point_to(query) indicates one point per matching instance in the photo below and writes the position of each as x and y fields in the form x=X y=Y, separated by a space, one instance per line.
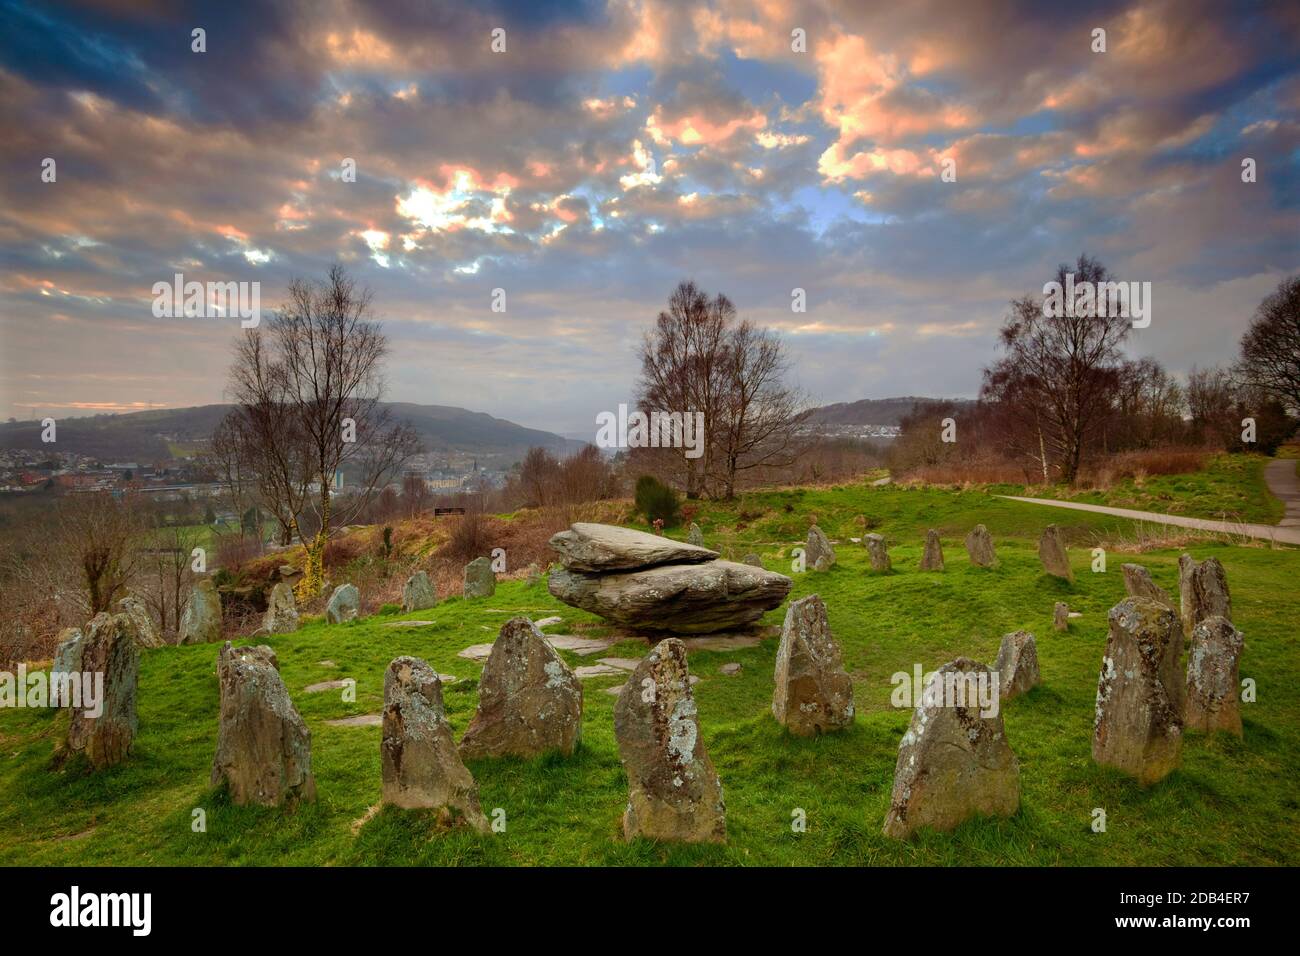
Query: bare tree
x=757 y=412
x=683 y=365
x=699 y=359
x=1270 y=349
x=309 y=388
x=1065 y=365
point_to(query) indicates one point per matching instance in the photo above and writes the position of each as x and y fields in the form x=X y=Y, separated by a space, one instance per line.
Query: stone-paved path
x=1280 y=476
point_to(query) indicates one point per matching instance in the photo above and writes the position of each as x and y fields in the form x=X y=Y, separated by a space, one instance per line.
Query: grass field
x=1233 y=801
x=1229 y=487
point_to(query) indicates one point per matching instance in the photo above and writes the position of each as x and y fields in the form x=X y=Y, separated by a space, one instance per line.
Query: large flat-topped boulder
x=606 y=547
x=677 y=598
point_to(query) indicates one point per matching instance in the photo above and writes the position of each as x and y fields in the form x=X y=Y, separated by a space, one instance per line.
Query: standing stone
x=534 y=575
x=932 y=556
x=67 y=659
x=673 y=790
x=878 y=552
x=753 y=560
x=421 y=768
x=813 y=693
x=1138 y=583
x=1017 y=665
x=1061 y=616
x=695 y=536
x=1051 y=551
x=818 y=547
x=201 y=622
x=529 y=701
x=418 y=593
x=979 y=545
x=1202 y=590
x=110 y=648
x=263 y=744
x=281 y=610
x=954 y=762
x=145 y=630
x=480 y=579
x=1213 y=678
x=1139 y=726
x=344 y=604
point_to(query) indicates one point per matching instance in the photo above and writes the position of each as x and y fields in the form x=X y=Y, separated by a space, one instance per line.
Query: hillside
x=872 y=411
x=158 y=434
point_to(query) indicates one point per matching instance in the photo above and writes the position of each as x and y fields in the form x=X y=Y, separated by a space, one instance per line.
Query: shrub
x=657 y=501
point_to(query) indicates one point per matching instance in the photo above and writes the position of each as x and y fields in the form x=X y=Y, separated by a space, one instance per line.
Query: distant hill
x=156 y=435
x=872 y=411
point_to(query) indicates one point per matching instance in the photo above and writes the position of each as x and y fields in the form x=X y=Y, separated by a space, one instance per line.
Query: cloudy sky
x=613 y=149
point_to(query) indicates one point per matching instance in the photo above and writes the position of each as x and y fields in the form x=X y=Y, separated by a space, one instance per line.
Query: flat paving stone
x=547 y=622
x=476 y=652
x=363 y=720
x=410 y=623
x=615 y=691
x=622 y=663
x=582 y=646
x=326 y=664
x=325 y=685
x=596 y=670
x=730 y=670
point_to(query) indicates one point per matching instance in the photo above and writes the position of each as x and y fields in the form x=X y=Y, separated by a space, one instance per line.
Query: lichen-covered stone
x=673 y=791
x=1017 y=664
x=818 y=547
x=1051 y=551
x=67 y=657
x=1202 y=591
x=263 y=744
x=677 y=598
x=695 y=536
x=111 y=648
x=1138 y=583
x=421 y=768
x=480 y=579
x=145 y=630
x=344 y=604
x=1060 y=616
x=1139 y=725
x=529 y=701
x=201 y=622
x=877 y=552
x=813 y=693
x=979 y=545
x=1213 y=677
x=281 y=610
x=597 y=548
x=954 y=762
x=753 y=560
x=932 y=556
x=418 y=593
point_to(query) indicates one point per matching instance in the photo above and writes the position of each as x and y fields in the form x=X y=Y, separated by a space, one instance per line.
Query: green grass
x=1232 y=802
x=1230 y=487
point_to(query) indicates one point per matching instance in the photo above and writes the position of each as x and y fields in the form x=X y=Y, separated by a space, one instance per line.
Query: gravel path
x=1280 y=475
